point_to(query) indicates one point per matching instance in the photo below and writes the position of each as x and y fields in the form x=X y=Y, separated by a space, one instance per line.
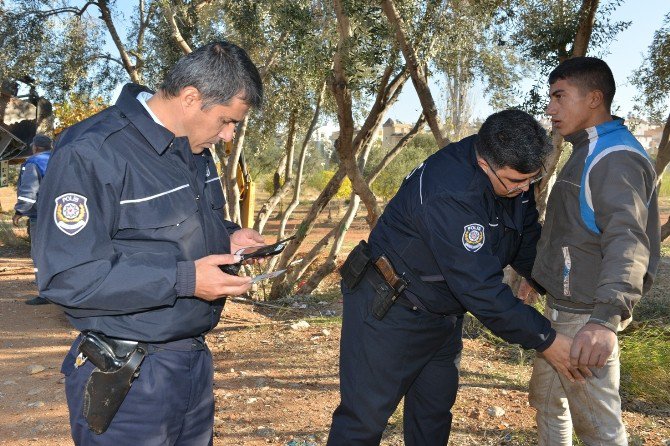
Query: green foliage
x=10 y=236
x=22 y=38
x=60 y=48
x=472 y=46
x=318 y=180
x=76 y=108
x=653 y=77
x=543 y=31
x=664 y=191
x=388 y=181
x=645 y=365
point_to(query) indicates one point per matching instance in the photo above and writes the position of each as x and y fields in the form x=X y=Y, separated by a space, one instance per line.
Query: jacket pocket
x=581 y=273
x=168 y=207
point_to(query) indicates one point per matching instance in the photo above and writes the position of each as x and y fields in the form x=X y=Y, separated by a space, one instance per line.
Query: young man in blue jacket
x=598 y=254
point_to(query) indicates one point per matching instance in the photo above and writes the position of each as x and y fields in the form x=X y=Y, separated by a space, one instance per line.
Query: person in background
x=27 y=190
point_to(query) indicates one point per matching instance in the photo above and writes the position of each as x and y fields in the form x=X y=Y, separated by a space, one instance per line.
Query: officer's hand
x=592 y=345
x=558 y=355
x=244 y=238
x=211 y=283
x=15 y=219
x=527 y=293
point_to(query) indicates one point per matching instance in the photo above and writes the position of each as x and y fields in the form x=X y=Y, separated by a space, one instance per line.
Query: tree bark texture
x=387 y=94
x=663 y=153
x=662 y=159
x=301 y=164
x=342 y=94
x=322 y=272
x=272 y=202
x=587 y=12
x=587 y=18
x=416 y=71
x=130 y=68
x=170 y=15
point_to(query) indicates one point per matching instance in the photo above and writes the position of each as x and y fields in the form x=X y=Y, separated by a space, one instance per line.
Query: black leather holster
x=117 y=365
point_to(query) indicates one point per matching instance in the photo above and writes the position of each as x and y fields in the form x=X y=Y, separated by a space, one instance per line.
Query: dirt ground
x=273 y=384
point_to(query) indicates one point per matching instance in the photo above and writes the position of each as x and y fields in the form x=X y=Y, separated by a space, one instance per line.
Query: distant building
x=393 y=131
x=648 y=134
x=21 y=119
x=336 y=134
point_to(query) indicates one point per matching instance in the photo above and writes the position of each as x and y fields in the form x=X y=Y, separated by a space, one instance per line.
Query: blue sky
x=624 y=55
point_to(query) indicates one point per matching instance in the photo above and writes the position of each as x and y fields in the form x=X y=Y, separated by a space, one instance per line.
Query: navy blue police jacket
x=130 y=208
x=452 y=236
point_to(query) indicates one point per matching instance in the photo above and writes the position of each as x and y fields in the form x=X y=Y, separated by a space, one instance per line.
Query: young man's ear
x=596 y=99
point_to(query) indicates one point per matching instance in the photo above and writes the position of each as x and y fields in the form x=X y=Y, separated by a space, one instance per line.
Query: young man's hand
x=592 y=345
x=558 y=355
x=15 y=219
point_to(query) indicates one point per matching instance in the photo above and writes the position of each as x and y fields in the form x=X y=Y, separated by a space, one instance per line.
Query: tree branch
x=345 y=147
x=416 y=71
x=587 y=18
x=170 y=15
x=125 y=58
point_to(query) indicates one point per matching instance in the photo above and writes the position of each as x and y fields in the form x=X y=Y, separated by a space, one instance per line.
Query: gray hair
x=513 y=138
x=220 y=71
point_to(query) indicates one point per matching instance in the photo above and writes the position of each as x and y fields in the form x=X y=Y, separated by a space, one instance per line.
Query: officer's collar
x=156 y=135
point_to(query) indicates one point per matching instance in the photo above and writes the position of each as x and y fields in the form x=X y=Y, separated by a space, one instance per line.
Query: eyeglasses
x=533 y=180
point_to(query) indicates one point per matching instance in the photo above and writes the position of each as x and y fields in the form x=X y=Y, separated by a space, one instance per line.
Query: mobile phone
x=257 y=252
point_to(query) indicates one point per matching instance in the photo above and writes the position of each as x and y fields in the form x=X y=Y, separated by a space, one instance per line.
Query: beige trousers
x=593 y=408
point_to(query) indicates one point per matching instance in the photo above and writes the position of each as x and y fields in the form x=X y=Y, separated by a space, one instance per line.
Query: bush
x=645 y=365
x=320 y=179
x=664 y=191
x=10 y=236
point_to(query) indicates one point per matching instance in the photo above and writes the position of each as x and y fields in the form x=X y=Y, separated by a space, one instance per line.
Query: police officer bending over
x=132 y=247
x=438 y=251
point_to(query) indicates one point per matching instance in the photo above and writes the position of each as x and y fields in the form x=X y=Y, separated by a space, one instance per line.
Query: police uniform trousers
x=170 y=403
x=410 y=353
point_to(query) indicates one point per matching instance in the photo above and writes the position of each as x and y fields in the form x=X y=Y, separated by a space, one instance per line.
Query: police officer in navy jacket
x=27 y=190
x=457 y=220
x=132 y=240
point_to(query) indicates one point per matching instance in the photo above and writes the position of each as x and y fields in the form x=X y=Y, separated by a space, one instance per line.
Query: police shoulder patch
x=71 y=213
x=473 y=237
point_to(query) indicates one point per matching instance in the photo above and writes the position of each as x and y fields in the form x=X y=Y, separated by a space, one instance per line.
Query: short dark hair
x=588 y=74
x=220 y=71
x=42 y=142
x=513 y=138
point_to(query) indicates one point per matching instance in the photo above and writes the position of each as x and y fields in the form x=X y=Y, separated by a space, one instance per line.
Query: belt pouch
x=353 y=269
